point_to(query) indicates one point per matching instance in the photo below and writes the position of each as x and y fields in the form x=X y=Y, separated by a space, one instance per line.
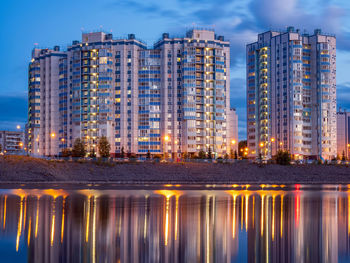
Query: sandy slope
x=26 y=169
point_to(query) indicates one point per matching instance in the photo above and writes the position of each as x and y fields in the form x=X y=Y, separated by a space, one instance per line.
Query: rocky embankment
x=22 y=169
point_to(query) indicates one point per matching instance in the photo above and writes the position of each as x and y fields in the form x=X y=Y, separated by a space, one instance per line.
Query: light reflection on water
x=237 y=224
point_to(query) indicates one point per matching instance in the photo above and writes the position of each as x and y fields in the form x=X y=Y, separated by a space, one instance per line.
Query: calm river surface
x=236 y=223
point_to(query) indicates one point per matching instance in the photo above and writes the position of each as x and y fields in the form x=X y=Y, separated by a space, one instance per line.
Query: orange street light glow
x=53 y=135
x=166 y=138
x=233 y=141
x=272 y=139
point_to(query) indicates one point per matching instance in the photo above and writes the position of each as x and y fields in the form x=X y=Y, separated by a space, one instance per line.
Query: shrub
x=201 y=154
x=209 y=153
x=185 y=155
x=122 y=154
x=92 y=153
x=66 y=153
x=283 y=157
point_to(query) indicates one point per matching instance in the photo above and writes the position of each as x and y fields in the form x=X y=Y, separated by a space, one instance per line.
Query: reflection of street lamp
x=260 y=150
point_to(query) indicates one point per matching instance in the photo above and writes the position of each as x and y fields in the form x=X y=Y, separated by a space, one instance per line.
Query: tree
x=201 y=154
x=283 y=157
x=104 y=147
x=226 y=156
x=0 y=148
x=78 y=148
x=148 y=155
x=209 y=153
x=343 y=156
x=122 y=153
x=235 y=155
x=241 y=146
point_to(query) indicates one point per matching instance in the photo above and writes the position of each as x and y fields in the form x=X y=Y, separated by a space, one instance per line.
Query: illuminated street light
x=233 y=141
x=272 y=139
x=18 y=127
x=166 y=138
x=261 y=144
x=53 y=135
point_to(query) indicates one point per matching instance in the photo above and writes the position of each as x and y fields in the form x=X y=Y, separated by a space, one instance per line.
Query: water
x=238 y=223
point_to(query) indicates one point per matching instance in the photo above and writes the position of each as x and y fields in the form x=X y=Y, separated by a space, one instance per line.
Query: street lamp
x=53 y=135
x=272 y=143
x=166 y=139
x=18 y=127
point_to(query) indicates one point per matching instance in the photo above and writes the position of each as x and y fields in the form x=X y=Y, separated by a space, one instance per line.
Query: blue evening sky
x=48 y=23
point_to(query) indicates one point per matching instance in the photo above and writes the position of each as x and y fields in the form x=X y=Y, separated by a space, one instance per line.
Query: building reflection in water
x=241 y=224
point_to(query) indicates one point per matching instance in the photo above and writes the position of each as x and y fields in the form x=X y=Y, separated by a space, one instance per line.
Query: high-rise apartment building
x=343 y=134
x=173 y=98
x=291 y=94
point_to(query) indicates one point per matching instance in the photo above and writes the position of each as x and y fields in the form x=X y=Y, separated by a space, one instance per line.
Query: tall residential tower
x=291 y=94
x=173 y=98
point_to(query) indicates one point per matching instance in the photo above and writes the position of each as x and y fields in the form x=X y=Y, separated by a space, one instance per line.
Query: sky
x=24 y=24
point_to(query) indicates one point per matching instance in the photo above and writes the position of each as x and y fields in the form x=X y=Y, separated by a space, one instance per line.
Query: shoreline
x=27 y=170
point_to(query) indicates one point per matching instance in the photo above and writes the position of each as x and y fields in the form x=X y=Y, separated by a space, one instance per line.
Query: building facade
x=172 y=98
x=291 y=94
x=12 y=142
x=343 y=135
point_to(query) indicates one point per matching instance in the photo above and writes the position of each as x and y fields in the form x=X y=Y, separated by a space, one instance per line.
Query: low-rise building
x=232 y=130
x=12 y=142
x=343 y=143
